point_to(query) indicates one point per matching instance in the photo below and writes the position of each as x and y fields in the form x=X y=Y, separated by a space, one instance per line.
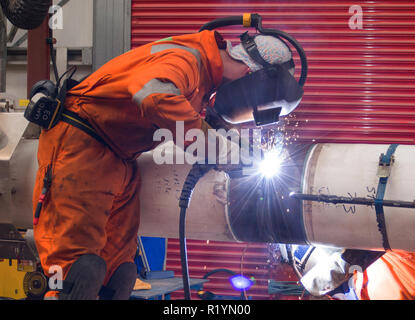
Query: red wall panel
x=360 y=86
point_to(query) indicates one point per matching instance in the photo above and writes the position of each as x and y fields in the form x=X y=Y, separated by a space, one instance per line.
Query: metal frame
x=112 y=30
x=38 y=55
x=18 y=166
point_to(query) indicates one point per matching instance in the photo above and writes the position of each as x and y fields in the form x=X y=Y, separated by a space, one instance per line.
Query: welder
x=89 y=217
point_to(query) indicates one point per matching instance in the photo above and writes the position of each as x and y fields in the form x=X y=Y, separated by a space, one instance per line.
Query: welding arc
x=347 y=200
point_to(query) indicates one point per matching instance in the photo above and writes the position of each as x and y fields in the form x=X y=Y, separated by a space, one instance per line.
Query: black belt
x=74 y=120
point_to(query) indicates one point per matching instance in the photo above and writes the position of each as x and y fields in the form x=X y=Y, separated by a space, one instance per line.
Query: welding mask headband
x=249 y=45
x=255 y=21
x=261 y=96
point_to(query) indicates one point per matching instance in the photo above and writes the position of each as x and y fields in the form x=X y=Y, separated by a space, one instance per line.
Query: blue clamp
x=384 y=169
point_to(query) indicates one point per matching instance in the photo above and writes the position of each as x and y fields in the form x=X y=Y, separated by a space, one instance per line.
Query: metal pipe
x=38 y=55
x=254 y=209
x=346 y=200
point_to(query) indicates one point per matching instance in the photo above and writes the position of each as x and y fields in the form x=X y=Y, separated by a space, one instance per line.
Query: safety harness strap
x=385 y=163
x=248 y=42
x=73 y=119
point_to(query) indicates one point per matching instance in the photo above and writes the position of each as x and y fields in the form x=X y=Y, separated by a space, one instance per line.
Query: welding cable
x=197 y=172
x=207 y=275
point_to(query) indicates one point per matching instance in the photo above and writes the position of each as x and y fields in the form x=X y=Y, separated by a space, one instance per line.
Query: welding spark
x=271 y=180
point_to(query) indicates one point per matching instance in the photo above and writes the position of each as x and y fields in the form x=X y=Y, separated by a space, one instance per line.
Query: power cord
x=194 y=175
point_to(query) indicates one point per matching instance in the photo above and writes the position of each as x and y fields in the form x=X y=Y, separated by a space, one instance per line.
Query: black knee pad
x=84 y=279
x=121 y=283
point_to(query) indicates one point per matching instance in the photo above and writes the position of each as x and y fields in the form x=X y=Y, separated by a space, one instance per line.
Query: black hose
x=231 y=21
x=192 y=178
x=207 y=275
x=222 y=22
x=26 y=14
x=183 y=255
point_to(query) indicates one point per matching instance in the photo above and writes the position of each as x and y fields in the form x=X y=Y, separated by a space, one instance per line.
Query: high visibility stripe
x=165 y=39
x=155 y=86
x=166 y=46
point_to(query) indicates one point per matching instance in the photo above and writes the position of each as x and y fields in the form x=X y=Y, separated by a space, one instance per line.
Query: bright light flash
x=239 y=282
x=271 y=164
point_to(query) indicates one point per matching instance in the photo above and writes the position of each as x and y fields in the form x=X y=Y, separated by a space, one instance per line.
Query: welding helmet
x=270 y=90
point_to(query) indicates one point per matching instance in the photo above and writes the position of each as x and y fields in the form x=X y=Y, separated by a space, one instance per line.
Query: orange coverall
x=391 y=277
x=92 y=206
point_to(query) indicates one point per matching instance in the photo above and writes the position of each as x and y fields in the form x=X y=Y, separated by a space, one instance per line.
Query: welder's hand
x=239 y=158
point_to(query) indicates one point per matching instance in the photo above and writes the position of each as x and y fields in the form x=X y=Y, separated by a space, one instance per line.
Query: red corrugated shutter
x=360 y=86
x=205 y=256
